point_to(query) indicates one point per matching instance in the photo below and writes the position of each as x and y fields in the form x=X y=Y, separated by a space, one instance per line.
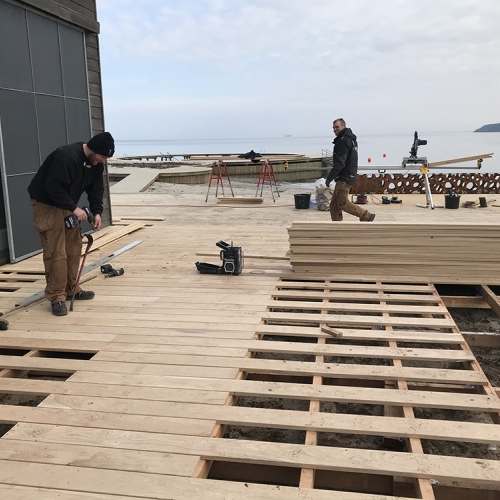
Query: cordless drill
x=71 y=221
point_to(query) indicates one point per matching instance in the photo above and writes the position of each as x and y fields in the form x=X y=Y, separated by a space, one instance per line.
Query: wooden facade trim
x=82 y=14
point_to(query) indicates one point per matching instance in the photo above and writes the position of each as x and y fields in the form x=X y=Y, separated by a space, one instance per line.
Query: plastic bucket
x=302 y=200
x=451 y=201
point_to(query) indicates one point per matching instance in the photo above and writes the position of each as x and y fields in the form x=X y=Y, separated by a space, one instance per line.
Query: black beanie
x=102 y=144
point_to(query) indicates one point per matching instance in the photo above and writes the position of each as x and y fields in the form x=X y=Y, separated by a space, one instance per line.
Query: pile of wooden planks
x=436 y=253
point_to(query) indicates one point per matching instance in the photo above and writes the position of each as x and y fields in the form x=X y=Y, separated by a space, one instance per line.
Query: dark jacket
x=345 y=158
x=64 y=176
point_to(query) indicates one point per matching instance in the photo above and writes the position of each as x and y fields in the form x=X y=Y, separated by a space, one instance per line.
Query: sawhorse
x=267 y=172
x=219 y=170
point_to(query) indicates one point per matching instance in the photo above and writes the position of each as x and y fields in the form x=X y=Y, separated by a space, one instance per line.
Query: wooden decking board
x=363 y=334
x=69 y=366
x=33 y=493
x=115 y=351
x=106 y=420
x=352 y=319
x=97 y=457
x=354 y=296
x=209 y=391
x=44 y=388
x=107 y=413
x=486 y=472
x=60 y=330
x=152 y=375
x=173 y=348
x=359 y=306
x=95 y=481
x=306 y=282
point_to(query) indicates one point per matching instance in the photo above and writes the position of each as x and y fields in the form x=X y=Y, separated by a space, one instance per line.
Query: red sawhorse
x=267 y=172
x=219 y=170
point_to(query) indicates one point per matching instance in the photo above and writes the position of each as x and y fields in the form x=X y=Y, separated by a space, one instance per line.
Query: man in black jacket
x=344 y=172
x=55 y=191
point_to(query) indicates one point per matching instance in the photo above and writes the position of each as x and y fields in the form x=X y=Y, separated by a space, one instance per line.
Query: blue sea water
x=372 y=148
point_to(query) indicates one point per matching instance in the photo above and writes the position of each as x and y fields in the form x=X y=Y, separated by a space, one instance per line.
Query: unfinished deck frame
x=428 y=322
x=153 y=381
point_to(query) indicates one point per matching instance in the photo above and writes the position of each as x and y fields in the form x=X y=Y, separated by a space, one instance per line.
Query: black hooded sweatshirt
x=345 y=158
x=64 y=176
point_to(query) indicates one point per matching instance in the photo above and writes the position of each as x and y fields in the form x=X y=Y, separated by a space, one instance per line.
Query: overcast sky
x=175 y=69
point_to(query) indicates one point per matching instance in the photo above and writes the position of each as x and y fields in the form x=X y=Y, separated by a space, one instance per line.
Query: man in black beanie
x=55 y=191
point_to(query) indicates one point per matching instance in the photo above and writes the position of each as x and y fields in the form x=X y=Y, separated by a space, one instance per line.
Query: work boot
x=81 y=295
x=59 y=309
x=371 y=217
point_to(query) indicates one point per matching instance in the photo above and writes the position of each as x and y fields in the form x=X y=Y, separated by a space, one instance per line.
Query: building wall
x=79 y=15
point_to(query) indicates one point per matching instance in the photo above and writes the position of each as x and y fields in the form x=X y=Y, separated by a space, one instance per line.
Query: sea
x=377 y=150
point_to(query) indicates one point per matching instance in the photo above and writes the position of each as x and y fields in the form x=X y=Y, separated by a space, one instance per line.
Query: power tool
x=109 y=271
x=232 y=261
x=361 y=199
x=72 y=221
x=386 y=200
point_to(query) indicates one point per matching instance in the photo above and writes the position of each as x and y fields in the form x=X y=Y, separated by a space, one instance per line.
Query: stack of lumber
x=435 y=253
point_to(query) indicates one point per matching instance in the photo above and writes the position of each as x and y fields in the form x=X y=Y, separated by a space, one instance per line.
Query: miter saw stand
x=414 y=161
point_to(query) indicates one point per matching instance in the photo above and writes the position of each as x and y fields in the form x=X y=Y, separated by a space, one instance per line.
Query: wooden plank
x=103 y=420
x=276 y=367
x=239 y=199
x=115 y=235
x=475 y=471
x=30 y=493
x=387 y=251
x=294 y=284
x=364 y=334
x=152 y=353
x=490 y=298
x=97 y=457
x=162 y=487
x=357 y=307
x=66 y=366
x=359 y=320
x=208 y=391
x=354 y=296
x=257 y=417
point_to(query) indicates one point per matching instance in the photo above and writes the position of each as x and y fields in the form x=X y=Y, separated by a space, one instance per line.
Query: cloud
x=384 y=64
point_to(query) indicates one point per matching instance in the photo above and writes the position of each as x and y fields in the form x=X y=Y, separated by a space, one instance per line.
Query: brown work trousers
x=62 y=248
x=340 y=203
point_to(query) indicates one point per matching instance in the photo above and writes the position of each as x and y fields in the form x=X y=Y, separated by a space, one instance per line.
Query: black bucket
x=451 y=201
x=302 y=200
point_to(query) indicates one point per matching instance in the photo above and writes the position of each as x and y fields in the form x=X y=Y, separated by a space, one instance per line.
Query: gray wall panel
x=19 y=131
x=46 y=59
x=51 y=123
x=78 y=120
x=44 y=101
x=74 y=66
x=25 y=239
x=14 y=48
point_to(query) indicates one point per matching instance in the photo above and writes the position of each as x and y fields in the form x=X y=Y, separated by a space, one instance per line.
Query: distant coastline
x=491 y=127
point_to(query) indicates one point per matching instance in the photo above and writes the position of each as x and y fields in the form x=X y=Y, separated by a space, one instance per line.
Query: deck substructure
x=174 y=385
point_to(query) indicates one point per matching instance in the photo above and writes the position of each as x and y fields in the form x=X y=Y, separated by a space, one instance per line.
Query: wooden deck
x=176 y=385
